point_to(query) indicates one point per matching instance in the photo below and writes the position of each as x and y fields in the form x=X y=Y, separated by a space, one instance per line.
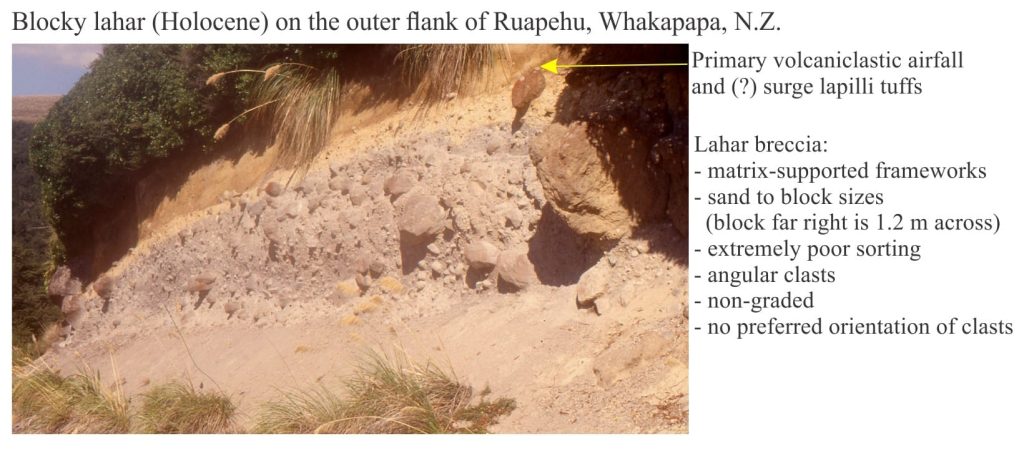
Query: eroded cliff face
x=615 y=156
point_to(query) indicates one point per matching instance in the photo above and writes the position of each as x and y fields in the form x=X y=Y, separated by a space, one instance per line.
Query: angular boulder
x=598 y=181
x=481 y=255
x=592 y=285
x=63 y=283
x=400 y=183
x=516 y=269
x=421 y=218
x=103 y=287
x=527 y=88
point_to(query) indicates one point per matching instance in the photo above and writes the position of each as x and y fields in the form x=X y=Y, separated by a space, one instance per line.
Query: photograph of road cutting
x=353 y=239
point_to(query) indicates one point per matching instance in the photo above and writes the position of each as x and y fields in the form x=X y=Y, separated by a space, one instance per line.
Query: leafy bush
x=137 y=105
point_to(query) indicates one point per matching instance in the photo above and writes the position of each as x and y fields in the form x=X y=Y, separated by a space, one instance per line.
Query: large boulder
x=616 y=155
x=104 y=287
x=527 y=88
x=340 y=184
x=63 y=284
x=421 y=218
x=202 y=283
x=208 y=278
x=481 y=255
x=598 y=181
x=516 y=269
x=592 y=285
x=273 y=189
x=73 y=309
x=255 y=208
x=403 y=181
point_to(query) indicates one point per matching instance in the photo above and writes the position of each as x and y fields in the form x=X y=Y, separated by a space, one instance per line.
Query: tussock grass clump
x=386 y=395
x=299 y=102
x=390 y=395
x=39 y=400
x=300 y=412
x=445 y=69
x=96 y=409
x=176 y=408
x=45 y=401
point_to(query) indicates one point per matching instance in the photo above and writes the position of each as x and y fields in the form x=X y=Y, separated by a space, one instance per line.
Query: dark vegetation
x=31 y=310
x=138 y=106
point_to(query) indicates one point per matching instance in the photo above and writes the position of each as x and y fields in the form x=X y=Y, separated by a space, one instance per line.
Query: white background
x=939 y=392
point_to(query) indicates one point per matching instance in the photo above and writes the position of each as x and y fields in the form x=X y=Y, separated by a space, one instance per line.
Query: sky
x=41 y=69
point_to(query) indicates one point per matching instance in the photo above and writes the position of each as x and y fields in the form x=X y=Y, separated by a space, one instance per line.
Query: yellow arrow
x=553 y=66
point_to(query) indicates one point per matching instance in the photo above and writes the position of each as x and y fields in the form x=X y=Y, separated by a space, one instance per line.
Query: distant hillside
x=31 y=109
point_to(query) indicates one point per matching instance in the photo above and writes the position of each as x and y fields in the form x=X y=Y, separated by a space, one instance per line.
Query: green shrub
x=137 y=105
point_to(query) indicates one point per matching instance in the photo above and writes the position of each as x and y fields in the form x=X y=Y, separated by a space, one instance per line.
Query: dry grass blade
x=445 y=69
x=176 y=408
x=215 y=78
x=221 y=132
x=188 y=350
x=271 y=72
